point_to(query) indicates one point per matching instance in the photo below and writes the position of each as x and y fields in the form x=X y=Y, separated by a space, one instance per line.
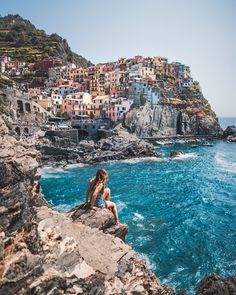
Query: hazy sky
x=199 y=33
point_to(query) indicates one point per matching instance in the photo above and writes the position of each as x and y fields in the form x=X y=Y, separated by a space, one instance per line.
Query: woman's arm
x=88 y=190
x=95 y=194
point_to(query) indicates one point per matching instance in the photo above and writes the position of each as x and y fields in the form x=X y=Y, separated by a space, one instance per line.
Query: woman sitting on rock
x=98 y=195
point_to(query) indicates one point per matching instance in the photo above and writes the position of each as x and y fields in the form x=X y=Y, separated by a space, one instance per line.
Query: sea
x=181 y=212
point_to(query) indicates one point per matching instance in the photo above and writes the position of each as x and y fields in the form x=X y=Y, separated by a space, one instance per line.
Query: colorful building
x=117 y=108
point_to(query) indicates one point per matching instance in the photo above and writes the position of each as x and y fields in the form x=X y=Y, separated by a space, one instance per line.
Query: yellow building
x=100 y=102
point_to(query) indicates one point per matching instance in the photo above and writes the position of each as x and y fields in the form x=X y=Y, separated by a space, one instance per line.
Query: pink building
x=117 y=108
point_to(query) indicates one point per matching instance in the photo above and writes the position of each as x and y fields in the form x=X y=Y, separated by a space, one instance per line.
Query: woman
x=98 y=195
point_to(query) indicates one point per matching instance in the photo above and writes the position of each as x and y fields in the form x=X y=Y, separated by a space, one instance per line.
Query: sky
x=198 y=33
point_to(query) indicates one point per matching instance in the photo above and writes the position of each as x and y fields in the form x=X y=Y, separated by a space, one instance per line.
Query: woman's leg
x=107 y=194
x=112 y=207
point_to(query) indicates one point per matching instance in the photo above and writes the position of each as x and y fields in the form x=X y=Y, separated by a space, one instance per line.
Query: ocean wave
x=224 y=164
x=165 y=142
x=137 y=160
x=185 y=156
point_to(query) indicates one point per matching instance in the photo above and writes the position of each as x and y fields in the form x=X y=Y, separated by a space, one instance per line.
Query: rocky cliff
x=46 y=252
x=183 y=117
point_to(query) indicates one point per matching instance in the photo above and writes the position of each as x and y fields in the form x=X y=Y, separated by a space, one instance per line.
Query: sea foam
x=185 y=156
x=224 y=164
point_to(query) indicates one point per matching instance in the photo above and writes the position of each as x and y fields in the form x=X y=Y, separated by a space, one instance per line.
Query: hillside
x=22 y=40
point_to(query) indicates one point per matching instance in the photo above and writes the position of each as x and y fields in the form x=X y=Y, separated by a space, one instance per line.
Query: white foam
x=137 y=160
x=185 y=156
x=224 y=164
x=150 y=264
x=121 y=206
x=138 y=216
x=164 y=142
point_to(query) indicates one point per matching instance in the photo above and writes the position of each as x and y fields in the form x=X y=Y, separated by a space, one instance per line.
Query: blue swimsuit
x=100 y=202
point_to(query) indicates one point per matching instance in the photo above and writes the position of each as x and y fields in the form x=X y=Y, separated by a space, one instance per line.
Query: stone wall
x=71 y=134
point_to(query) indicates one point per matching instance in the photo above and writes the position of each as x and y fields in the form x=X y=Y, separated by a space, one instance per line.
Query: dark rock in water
x=102 y=219
x=216 y=285
x=230 y=130
x=230 y=133
x=231 y=138
x=176 y=154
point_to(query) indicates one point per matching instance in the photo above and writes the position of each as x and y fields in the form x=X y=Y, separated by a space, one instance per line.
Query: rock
x=231 y=138
x=122 y=145
x=216 y=285
x=102 y=219
x=229 y=131
x=169 y=119
x=176 y=154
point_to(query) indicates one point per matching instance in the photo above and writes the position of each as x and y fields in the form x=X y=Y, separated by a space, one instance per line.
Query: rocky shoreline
x=46 y=252
x=81 y=252
x=120 y=146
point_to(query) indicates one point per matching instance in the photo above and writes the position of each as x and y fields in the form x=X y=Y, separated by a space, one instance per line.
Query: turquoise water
x=181 y=213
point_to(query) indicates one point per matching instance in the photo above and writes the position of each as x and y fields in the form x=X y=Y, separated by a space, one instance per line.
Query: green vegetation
x=5 y=81
x=23 y=41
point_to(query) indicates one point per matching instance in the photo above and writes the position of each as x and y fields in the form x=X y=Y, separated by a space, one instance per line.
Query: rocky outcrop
x=230 y=133
x=216 y=285
x=122 y=145
x=193 y=117
x=46 y=252
x=98 y=218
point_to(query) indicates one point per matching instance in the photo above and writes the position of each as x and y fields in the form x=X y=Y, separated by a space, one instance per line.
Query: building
x=117 y=108
x=187 y=83
x=78 y=104
x=45 y=64
x=56 y=100
x=142 y=90
x=100 y=102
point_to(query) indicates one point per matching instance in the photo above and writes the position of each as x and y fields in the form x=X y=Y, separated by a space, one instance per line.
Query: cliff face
x=45 y=252
x=183 y=117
